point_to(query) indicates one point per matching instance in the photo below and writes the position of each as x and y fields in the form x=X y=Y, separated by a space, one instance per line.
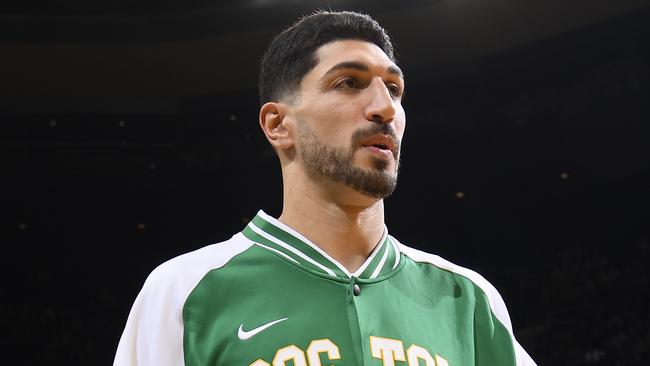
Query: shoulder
x=181 y=274
x=494 y=298
x=153 y=334
x=496 y=303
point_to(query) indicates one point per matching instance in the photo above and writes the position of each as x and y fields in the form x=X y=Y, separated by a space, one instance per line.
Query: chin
x=377 y=165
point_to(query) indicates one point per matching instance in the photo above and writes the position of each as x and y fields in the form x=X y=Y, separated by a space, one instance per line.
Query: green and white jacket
x=269 y=296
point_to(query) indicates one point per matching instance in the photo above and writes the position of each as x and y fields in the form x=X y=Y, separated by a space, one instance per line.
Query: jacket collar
x=269 y=233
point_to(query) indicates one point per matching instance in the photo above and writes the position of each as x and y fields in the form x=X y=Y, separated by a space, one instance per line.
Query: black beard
x=337 y=164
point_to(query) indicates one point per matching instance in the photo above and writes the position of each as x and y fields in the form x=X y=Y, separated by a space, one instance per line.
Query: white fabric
x=153 y=335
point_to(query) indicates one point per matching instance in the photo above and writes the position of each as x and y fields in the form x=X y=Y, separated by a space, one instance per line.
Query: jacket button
x=356 y=290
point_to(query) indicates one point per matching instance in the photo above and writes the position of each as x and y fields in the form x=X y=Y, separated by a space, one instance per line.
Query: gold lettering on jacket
x=385 y=349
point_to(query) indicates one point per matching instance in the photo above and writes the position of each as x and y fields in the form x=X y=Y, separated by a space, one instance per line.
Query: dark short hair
x=292 y=54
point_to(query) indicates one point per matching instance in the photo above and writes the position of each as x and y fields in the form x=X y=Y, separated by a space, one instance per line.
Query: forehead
x=367 y=53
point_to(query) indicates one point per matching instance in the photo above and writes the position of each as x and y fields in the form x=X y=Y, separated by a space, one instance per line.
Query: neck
x=348 y=232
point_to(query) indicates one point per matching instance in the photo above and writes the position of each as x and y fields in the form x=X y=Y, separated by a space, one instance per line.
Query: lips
x=383 y=142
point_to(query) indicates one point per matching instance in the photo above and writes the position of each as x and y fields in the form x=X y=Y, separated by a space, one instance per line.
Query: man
x=324 y=284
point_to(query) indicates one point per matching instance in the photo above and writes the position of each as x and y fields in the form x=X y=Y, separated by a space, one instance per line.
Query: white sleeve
x=501 y=312
x=153 y=335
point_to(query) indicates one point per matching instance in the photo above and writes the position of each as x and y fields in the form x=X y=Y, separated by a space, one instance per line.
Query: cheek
x=332 y=124
x=400 y=125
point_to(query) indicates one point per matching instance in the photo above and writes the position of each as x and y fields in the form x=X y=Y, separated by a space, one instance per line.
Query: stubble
x=337 y=163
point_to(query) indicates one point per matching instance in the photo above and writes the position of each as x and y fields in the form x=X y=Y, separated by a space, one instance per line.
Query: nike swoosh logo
x=244 y=335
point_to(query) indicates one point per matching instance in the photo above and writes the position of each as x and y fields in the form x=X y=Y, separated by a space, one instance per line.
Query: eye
x=347 y=82
x=395 y=90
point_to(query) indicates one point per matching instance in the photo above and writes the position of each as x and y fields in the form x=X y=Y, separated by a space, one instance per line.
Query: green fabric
x=255 y=288
x=417 y=303
x=414 y=305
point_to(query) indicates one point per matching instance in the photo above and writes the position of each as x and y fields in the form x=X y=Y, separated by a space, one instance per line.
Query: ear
x=276 y=125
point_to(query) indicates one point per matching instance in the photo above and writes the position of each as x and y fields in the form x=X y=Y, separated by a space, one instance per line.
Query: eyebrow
x=362 y=67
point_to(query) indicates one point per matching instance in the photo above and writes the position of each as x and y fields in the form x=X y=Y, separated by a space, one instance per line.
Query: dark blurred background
x=129 y=135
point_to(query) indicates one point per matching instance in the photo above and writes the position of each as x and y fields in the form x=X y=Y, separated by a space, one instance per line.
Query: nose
x=381 y=106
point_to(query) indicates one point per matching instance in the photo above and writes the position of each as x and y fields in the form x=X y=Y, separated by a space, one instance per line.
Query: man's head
x=332 y=104
x=293 y=52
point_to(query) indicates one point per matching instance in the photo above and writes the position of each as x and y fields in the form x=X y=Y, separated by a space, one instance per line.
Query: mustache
x=374 y=130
